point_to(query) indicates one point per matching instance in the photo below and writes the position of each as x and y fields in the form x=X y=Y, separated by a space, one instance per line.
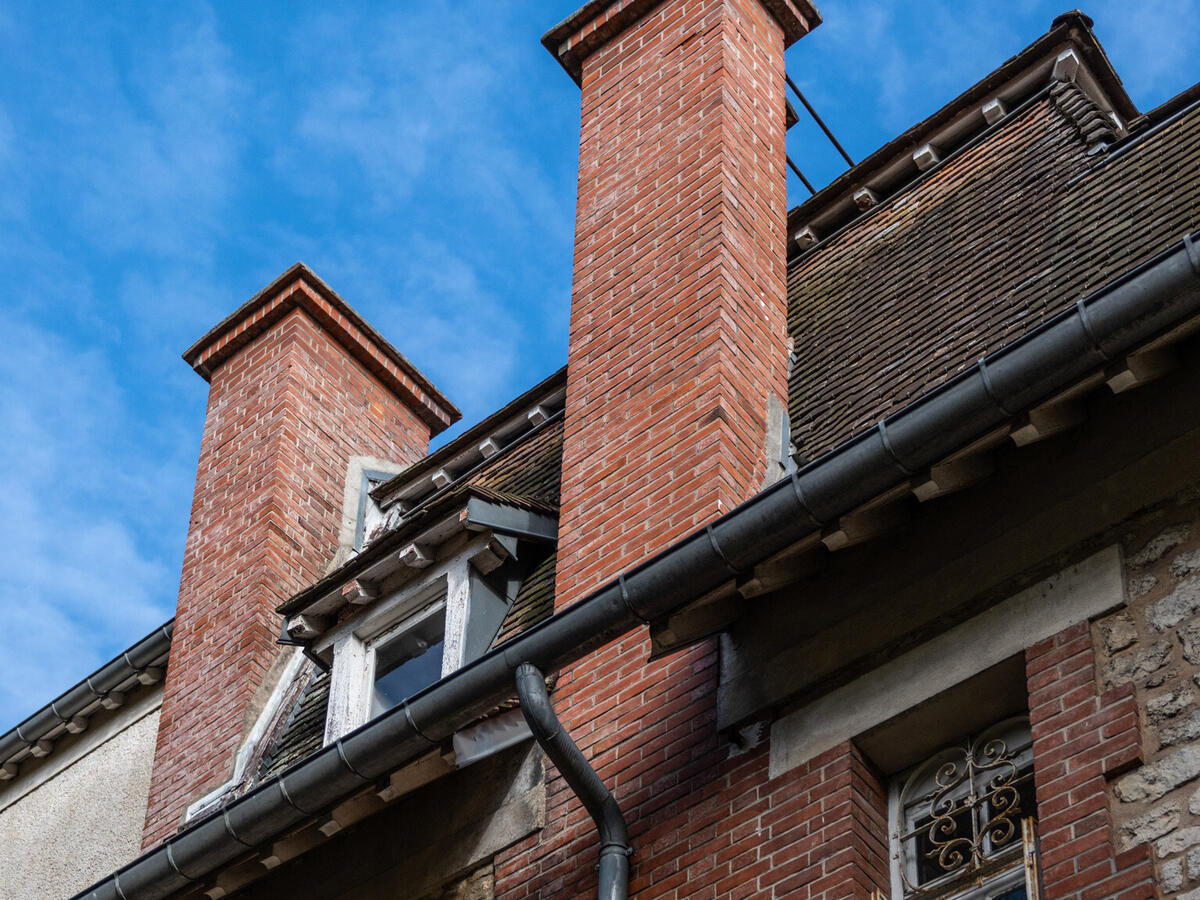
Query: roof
x=526 y=473
x=999 y=237
x=964 y=118
x=142 y=664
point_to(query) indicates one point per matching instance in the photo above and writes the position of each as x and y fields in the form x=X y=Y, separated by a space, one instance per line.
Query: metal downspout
x=600 y=804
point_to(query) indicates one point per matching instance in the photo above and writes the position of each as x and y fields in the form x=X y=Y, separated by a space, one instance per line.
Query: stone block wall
x=1152 y=648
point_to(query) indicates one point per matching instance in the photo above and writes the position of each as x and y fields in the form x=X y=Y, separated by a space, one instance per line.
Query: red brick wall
x=678 y=337
x=1081 y=738
x=703 y=824
x=678 y=318
x=285 y=414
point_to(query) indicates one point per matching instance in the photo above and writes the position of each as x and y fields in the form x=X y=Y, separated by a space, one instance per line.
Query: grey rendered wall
x=79 y=815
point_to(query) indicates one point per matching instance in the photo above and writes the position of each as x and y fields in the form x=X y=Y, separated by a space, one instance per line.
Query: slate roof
x=303 y=729
x=1003 y=235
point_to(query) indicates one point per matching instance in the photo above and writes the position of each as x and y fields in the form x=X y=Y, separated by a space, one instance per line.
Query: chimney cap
x=590 y=27
x=301 y=287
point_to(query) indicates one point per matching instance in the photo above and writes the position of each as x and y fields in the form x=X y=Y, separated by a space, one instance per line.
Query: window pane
x=960 y=816
x=409 y=661
x=408 y=676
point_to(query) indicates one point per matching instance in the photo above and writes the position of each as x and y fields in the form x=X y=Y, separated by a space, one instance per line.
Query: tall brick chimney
x=678 y=308
x=299 y=384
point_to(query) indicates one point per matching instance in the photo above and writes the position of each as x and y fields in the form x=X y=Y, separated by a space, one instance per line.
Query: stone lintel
x=300 y=288
x=598 y=21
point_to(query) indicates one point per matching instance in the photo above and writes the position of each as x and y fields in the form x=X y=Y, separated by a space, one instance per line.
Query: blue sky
x=160 y=163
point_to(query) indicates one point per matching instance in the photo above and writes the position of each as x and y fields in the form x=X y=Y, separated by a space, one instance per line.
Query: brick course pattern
x=285 y=414
x=703 y=823
x=678 y=338
x=1082 y=737
x=678 y=320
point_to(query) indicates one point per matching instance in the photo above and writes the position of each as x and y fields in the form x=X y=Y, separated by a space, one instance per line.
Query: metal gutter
x=1143 y=304
x=150 y=651
x=583 y=780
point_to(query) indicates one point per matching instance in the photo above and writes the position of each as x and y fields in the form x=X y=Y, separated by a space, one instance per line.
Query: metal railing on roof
x=825 y=128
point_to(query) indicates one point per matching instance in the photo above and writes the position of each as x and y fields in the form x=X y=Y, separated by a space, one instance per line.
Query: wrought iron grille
x=962 y=811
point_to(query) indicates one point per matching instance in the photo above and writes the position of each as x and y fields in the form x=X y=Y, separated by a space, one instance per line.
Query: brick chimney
x=679 y=303
x=299 y=384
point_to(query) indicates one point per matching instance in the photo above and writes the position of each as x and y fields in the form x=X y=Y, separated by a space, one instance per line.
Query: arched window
x=963 y=820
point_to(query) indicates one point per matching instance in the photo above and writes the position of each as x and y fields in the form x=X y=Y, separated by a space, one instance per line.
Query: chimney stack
x=298 y=384
x=678 y=341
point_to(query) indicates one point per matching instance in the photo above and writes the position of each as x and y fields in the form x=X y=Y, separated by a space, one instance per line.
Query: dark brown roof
x=1000 y=237
x=303 y=731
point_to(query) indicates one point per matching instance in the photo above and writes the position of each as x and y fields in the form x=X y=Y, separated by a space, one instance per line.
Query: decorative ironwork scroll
x=961 y=812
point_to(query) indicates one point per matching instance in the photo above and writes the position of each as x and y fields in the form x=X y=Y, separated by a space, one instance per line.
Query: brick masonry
x=705 y=822
x=1083 y=735
x=286 y=411
x=678 y=338
x=678 y=319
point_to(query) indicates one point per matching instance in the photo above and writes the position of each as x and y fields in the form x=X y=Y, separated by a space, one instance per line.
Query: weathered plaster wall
x=83 y=819
x=1154 y=645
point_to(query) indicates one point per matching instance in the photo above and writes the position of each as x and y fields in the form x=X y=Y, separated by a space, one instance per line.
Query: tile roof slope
x=532 y=470
x=303 y=731
x=527 y=474
x=1003 y=236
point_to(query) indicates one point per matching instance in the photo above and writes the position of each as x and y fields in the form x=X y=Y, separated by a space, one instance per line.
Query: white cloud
x=439 y=309
x=77 y=583
x=152 y=152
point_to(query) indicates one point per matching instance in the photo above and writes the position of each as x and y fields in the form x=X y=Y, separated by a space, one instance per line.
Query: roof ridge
x=1090 y=122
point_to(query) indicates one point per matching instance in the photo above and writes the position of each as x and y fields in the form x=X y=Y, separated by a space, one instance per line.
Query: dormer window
x=417 y=605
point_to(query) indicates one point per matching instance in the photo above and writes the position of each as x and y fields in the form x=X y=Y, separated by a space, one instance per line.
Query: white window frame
x=445 y=585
